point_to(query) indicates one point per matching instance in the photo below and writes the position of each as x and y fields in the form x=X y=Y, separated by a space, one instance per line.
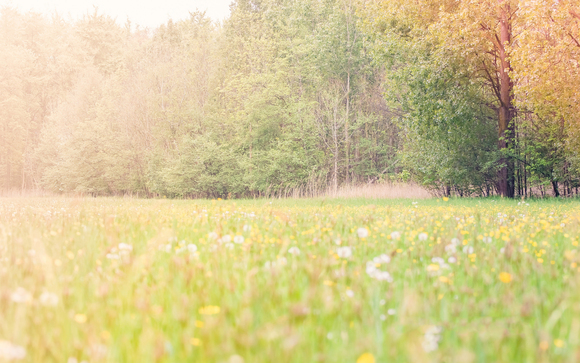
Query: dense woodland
x=462 y=97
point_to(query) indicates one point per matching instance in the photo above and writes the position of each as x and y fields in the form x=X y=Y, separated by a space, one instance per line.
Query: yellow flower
x=195 y=342
x=558 y=343
x=433 y=267
x=80 y=318
x=366 y=358
x=505 y=277
x=209 y=310
x=445 y=199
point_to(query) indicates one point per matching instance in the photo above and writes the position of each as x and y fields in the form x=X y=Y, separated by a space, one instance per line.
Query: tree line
x=466 y=98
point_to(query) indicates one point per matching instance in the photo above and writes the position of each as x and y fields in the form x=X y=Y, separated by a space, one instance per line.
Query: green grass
x=256 y=302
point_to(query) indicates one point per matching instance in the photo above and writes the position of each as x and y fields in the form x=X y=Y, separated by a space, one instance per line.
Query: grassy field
x=124 y=280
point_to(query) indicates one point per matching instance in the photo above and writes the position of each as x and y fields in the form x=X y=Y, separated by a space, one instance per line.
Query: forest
x=464 y=98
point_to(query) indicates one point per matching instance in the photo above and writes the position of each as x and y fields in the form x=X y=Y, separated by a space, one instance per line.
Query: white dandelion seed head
x=21 y=295
x=423 y=236
x=362 y=232
x=395 y=235
x=294 y=250
x=9 y=351
x=344 y=252
x=349 y=293
x=48 y=299
x=239 y=239
x=212 y=235
x=247 y=228
x=391 y=312
x=452 y=259
x=192 y=248
x=125 y=247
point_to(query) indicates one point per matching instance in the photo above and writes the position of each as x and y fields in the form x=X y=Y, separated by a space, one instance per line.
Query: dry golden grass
x=379 y=191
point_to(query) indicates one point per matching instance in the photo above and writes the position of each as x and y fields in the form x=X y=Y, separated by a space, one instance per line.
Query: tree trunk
x=505 y=113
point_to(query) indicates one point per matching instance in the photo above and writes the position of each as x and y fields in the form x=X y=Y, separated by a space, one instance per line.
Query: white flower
x=227 y=238
x=20 y=295
x=282 y=261
x=247 y=228
x=239 y=239
x=383 y=317
x=349 y=293
x=384 y=258
x=125 y=247
x=468 y=250
x=212 y=235
x=294 y=250
x=377 y=274
x=362 y=232
x=112 y=256
x=396 y=235
x=451 y=259
x=338 y=241
x=487 y=239
x=450 y=249
x=431 y=339
x=192 y=248
x=9 y=351
x=423 y=236
x=455 y=241
x=344 y=252
x=391 y=311
x=229 y=246
x=48 y=299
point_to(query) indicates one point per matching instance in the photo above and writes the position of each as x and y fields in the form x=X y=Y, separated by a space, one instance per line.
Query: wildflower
x=48 y=299
x=366 y=358
x=468 y=250
x=229 y=246
x=9 y=351
x=391 y=312
x=433 y=267
x=239 y=239
x=80 y=318
x=20 y=295
x=209 y=310
x=226 y=239
x=112 y=256
x=375 y=273
x=559 y=343
x=344 y=252
x=192 y=248
x=395 y=235
x=294 y=250
x=431 y=339
x=455 y=241
x=125 y=247
x=349 y=293
x=451 y=259
x=212 y=235
x=487 y=239
x=384 y=258
x=362 y=232
x=423 y=236
x=451 y=249
x=505 y=277
x=247 y=228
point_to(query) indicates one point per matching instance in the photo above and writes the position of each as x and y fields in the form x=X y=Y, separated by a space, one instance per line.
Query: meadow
x=317 y=280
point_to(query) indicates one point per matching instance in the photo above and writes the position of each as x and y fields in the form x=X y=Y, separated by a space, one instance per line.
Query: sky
x=147 y=13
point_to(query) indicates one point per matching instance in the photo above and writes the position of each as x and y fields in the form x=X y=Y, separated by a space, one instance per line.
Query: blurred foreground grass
x=122 y=280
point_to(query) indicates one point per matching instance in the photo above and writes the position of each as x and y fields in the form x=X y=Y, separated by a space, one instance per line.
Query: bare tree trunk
x=505 y=113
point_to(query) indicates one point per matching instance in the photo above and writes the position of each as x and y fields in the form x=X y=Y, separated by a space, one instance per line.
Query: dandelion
x=423 y=236
x=212 y=235
x=20 y=295
x=452 y=259
x=468 y=250
x=229 y=246
x=344 y=252
x=294 y=251
x=375 y=273
x=226 y=239
x=559 y=343
x=192 y=248
x=366 y=358
x=209 y=310
x=391 y=312
x=455 y=241
x=451 y=249
x=239 y=239
x=362 y=232
x=349 y=293
x=395 y=235
x=247 y=228
x=384 y=258
x=48 y=299
x=9 y=351
x=487 y=239
x=505 y=277
x=80 y=318
x=431 y=339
